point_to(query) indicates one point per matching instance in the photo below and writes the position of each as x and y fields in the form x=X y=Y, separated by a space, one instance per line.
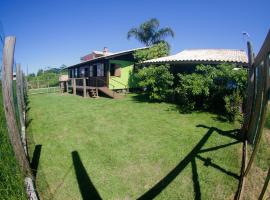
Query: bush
x=157 y=82
x=232 y=105
x=208 y=86
x=192 y=91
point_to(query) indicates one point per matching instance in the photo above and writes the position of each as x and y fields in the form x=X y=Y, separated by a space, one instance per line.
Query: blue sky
x=56 y=32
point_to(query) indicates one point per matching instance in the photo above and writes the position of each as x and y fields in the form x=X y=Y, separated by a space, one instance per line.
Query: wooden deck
x=90 y=87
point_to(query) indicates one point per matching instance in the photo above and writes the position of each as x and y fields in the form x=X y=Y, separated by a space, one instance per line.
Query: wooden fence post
x=20 y=97
x=84 y=87
x=14 y=134
x=267 y=179
x=19 y=94
x=23 y=91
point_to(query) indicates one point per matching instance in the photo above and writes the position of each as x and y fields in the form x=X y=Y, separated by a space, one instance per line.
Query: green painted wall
x=126 y=77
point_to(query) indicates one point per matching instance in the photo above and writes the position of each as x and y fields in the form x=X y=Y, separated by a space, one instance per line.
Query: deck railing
x=90 y=81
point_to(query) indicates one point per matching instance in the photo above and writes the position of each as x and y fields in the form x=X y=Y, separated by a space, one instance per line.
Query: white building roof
x=203 y=55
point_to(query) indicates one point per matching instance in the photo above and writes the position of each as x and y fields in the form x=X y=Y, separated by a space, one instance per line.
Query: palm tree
x=149 y=32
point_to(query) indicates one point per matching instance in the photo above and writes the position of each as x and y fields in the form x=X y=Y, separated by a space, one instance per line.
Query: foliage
x=232 y=105
x=267 y=123
x=158 y=50
x=132 y=142
x=45 y=78
x=157 y=82
x=207 y=87
x=191 y=89
x=149 y=32
x=11 y=179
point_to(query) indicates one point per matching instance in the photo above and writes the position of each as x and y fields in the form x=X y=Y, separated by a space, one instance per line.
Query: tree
x=220 y=89
x=149 y=32
x=156 y=51
x=157 y=82
x=40 y=72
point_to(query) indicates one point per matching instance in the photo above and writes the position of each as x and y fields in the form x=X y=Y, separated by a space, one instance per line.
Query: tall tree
x=150 y=33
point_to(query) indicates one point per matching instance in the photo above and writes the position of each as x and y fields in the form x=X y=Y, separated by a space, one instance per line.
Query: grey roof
x=111 y=55
x=204 y=55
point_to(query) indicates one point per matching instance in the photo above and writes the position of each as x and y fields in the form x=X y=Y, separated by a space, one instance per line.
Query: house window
x=91 y=71
x=115 y=70
x=86 y=72
x=76 y=73
x=70 y=73
x=112 y=70
x=82 y=72
x=100 y=69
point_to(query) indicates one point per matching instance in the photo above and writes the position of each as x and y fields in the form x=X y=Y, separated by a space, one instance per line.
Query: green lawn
x=11 y=179
x=127 y=148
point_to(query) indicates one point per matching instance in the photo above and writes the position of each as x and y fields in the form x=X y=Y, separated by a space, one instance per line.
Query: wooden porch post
x=62 y=87
x=66 y=86
x=108 y=73
x=84 y=87
x=74 y=86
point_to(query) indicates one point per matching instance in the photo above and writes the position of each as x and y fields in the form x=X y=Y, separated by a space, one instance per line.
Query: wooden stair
x=109 y=92
x=93 y=93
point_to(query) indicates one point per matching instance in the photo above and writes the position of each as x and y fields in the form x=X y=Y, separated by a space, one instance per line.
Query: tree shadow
x=141 y=98
x=87 y=188
x=28 y=122
x=191 y=158
x=35 y=159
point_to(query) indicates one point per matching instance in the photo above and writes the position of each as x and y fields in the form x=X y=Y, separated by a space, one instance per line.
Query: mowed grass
x=126 y=149
x=11 y=178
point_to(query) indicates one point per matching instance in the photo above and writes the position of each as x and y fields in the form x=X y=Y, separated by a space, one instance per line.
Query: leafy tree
x=232 y=106
x=32 y=75
x=40 y=72
x=46 y=77
x=208 y=86
x=157 y=82
x=158 y=50
x=149 y=32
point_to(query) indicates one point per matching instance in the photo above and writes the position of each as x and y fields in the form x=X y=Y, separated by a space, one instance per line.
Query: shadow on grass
x=87 y=188
x=35 y=159
x=141 y=98
x=28 y=122
x=191 y=158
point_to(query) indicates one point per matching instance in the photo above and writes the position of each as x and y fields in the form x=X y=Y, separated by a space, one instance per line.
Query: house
x=187 y=60
x=95 y=54
x=104 y=72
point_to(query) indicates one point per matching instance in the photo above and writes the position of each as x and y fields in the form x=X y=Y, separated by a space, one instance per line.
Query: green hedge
x=11 y=179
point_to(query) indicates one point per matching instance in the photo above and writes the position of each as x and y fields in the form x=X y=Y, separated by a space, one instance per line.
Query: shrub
x=232 y=105
x=192 y=91
x=157 y=82
x=208 y=86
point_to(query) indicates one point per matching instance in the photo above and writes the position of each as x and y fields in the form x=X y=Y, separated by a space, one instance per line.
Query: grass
x=258 y=172
x=127 y=148
x=267 y=123
x=11 y=180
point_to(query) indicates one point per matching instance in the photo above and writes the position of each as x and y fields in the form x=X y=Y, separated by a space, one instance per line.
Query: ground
x=130 y=148
x=258 y=172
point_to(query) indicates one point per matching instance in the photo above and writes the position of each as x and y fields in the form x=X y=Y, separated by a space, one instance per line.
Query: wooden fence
x=42 y=87
x=255 y=113
x=16 y=130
